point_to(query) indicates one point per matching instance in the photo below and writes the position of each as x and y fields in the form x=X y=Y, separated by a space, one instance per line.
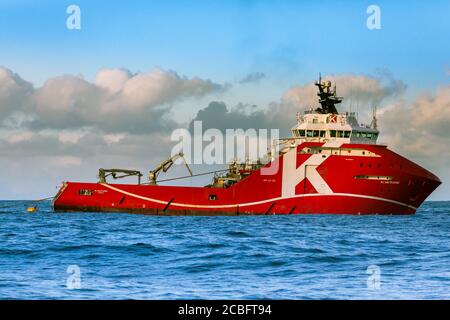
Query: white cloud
x=113 y=138
x=420 y=131
x=14 y=93
x=159 y=87
x=70 y=136
x=365 y=89
x=66 y=161
x=20 y=137
x=116 y=101
x=112 y=79
x=422 y=127
x=369 y=90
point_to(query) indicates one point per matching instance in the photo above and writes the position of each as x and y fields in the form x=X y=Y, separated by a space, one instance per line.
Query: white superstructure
x=342 y=127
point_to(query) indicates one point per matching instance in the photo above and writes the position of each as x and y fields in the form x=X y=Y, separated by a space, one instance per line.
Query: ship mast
x=327 y=97
x=374 y=124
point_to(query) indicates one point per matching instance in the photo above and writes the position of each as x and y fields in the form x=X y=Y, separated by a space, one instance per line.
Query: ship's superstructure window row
x=334 y=134
x=339 y=151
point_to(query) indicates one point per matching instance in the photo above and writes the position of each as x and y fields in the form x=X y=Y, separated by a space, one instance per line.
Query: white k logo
x=292 y=175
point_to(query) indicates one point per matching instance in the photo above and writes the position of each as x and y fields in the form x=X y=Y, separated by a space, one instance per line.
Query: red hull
x=345 y=181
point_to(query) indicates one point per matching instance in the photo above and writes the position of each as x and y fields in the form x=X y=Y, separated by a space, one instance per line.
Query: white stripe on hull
x=246 y=204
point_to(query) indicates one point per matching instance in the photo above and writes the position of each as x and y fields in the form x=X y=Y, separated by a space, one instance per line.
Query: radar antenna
x=327 y=97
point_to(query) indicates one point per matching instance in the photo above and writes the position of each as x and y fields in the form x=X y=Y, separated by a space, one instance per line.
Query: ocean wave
x=133 y=257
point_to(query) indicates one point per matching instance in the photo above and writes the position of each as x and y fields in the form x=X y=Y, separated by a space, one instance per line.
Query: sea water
x=48 y=255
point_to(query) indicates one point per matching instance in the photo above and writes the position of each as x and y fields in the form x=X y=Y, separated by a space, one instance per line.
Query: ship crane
x=165 y=165
x=115 y=173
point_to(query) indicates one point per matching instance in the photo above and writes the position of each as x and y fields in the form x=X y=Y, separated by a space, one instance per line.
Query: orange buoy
x=32 y=209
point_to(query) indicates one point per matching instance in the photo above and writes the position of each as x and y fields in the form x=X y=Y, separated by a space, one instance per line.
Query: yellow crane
x=165 y=165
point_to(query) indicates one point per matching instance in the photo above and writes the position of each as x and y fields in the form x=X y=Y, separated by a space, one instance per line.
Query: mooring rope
x=34 y=206
x=43 y=199
x=28 y=202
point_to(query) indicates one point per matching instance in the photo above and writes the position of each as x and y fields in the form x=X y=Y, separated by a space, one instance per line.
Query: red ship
x=331 y=164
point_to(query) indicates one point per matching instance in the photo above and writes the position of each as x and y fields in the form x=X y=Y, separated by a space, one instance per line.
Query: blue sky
x=223 y=40
x=289 y=42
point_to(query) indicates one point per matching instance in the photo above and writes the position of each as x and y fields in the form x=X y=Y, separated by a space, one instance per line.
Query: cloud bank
x=117 y=99
x=367 y=90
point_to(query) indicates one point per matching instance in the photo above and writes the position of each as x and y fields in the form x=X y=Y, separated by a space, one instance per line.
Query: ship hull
x=312 y=178
x=345 y=204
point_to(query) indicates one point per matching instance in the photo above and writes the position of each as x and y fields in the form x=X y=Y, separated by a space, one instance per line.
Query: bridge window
x=322 y=133
x=316 y=133
x=302 y=133
x=347 y=134
x=340 y=134
x=333 y=133
x=309 y=133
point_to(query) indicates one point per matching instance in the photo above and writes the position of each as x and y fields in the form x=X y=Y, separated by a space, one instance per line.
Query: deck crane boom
x=165 y=165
